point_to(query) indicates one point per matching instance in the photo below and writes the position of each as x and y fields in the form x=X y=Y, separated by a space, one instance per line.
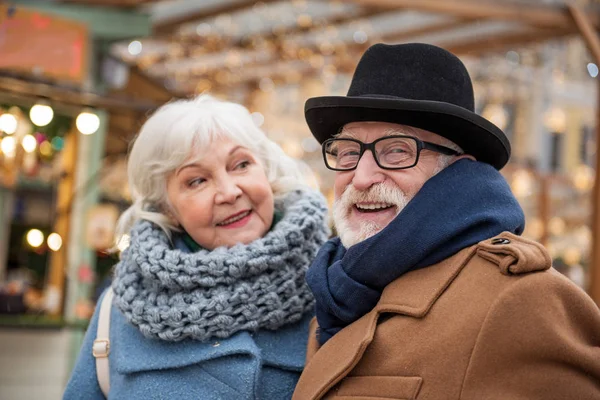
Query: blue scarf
x=462 y=205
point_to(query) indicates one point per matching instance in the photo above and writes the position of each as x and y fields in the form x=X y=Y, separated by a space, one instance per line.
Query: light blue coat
x=263 y=365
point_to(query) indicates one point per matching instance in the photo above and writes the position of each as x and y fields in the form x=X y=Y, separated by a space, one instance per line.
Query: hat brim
x=474 y=134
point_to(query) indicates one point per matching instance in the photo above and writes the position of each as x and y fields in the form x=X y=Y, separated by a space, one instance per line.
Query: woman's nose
x=228 y=190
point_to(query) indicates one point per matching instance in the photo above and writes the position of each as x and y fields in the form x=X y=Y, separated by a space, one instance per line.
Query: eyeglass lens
x=389 y=152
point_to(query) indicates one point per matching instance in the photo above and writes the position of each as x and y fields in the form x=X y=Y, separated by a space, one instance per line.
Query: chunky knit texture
x=172 y=295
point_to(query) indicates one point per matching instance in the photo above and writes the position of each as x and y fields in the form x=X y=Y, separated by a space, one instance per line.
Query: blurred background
x=79 y=77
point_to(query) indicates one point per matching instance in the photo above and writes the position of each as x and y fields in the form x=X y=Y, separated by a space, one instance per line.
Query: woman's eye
x=242 y=165
x=195 y=182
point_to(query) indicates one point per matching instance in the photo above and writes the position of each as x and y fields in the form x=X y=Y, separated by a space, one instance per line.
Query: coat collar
x=413 y=295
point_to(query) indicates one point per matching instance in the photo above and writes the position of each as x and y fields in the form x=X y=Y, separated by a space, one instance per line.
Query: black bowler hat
x=414 y=84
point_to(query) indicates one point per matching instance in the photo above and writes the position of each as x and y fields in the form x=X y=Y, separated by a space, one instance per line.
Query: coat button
x=500 y=241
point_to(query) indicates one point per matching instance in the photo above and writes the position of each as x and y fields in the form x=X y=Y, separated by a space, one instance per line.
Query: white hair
x=184 y=127
x=445 y=160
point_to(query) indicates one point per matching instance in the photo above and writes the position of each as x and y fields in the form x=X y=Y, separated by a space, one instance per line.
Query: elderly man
x=429 y=292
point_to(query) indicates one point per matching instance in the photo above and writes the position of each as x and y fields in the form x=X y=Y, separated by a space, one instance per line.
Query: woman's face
x=224 y=198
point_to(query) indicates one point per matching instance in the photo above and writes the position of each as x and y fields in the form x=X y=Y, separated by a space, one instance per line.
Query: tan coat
x=491 y=322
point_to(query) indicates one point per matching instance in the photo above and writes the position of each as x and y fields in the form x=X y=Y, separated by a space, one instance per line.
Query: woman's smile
x=236 y=220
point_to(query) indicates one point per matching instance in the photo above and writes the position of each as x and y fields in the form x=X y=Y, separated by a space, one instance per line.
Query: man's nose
x=367 y=172
x=228 y=189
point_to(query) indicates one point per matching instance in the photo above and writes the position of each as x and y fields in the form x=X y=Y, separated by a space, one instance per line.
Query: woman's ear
x=170 y=216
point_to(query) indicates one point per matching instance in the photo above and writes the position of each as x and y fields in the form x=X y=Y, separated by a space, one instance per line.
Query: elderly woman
x=210 y=300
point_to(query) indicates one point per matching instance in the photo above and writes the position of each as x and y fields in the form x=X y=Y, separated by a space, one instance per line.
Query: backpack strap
x=101 y=347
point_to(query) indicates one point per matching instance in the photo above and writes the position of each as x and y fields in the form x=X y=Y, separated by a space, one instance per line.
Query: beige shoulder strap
x=101 y=347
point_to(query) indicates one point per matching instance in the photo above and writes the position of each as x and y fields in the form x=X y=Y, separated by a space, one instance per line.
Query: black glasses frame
x=421 y=145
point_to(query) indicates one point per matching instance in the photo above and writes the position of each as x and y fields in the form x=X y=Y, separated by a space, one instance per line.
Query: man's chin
x=350 y=237
x=348 y=240
x=353 y=227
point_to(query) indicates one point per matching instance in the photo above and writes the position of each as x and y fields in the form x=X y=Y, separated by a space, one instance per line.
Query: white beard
x=343 y=205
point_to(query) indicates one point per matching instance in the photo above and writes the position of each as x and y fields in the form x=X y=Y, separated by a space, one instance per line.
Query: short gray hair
x=179 y=128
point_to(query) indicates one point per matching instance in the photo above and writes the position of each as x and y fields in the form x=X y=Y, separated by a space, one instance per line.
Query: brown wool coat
x=493 y=321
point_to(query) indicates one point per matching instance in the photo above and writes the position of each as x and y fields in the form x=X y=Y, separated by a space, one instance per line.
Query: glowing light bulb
x=29 y=143
x=54 y=241
x=8 y=145
x=87 y=123
x=8 y=123
x=35 y=238
x=41 y=114
x=135 y=48
x=46 y=149
x=592 y=70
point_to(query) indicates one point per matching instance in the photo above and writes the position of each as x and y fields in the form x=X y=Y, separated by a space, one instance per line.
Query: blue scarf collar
x=464 y=204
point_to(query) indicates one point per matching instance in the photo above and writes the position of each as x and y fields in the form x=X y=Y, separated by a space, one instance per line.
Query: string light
x=41 y=114
x=8 y=146
x=583 y=178
x=54 y=241
x=87 y=123
x=35 y=238
x=135 y=48
x=8 y=123
x=556 y=120
x=557 y=226
x=572 y=256
x=522 y=183
x=496 y=114
x=57 y=143
x=46 y=149
x=29 y=143
x=360 y=37
x=592 y=70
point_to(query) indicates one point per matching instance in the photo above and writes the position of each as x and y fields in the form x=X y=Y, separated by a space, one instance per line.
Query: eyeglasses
x=390 y=152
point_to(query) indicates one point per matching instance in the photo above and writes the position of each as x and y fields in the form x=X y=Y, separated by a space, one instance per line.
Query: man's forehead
x=355 y=129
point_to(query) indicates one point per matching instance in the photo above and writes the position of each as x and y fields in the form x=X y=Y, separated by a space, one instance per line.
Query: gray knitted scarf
x=172 y=295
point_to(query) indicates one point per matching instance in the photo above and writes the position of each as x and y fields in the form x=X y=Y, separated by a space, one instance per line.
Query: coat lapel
x=336 y=358
x=412 y=295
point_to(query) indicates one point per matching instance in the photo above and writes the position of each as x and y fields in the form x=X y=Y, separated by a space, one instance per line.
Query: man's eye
x=348 y=153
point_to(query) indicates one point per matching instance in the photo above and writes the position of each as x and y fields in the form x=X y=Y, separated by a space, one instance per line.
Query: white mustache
x=375 y=194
